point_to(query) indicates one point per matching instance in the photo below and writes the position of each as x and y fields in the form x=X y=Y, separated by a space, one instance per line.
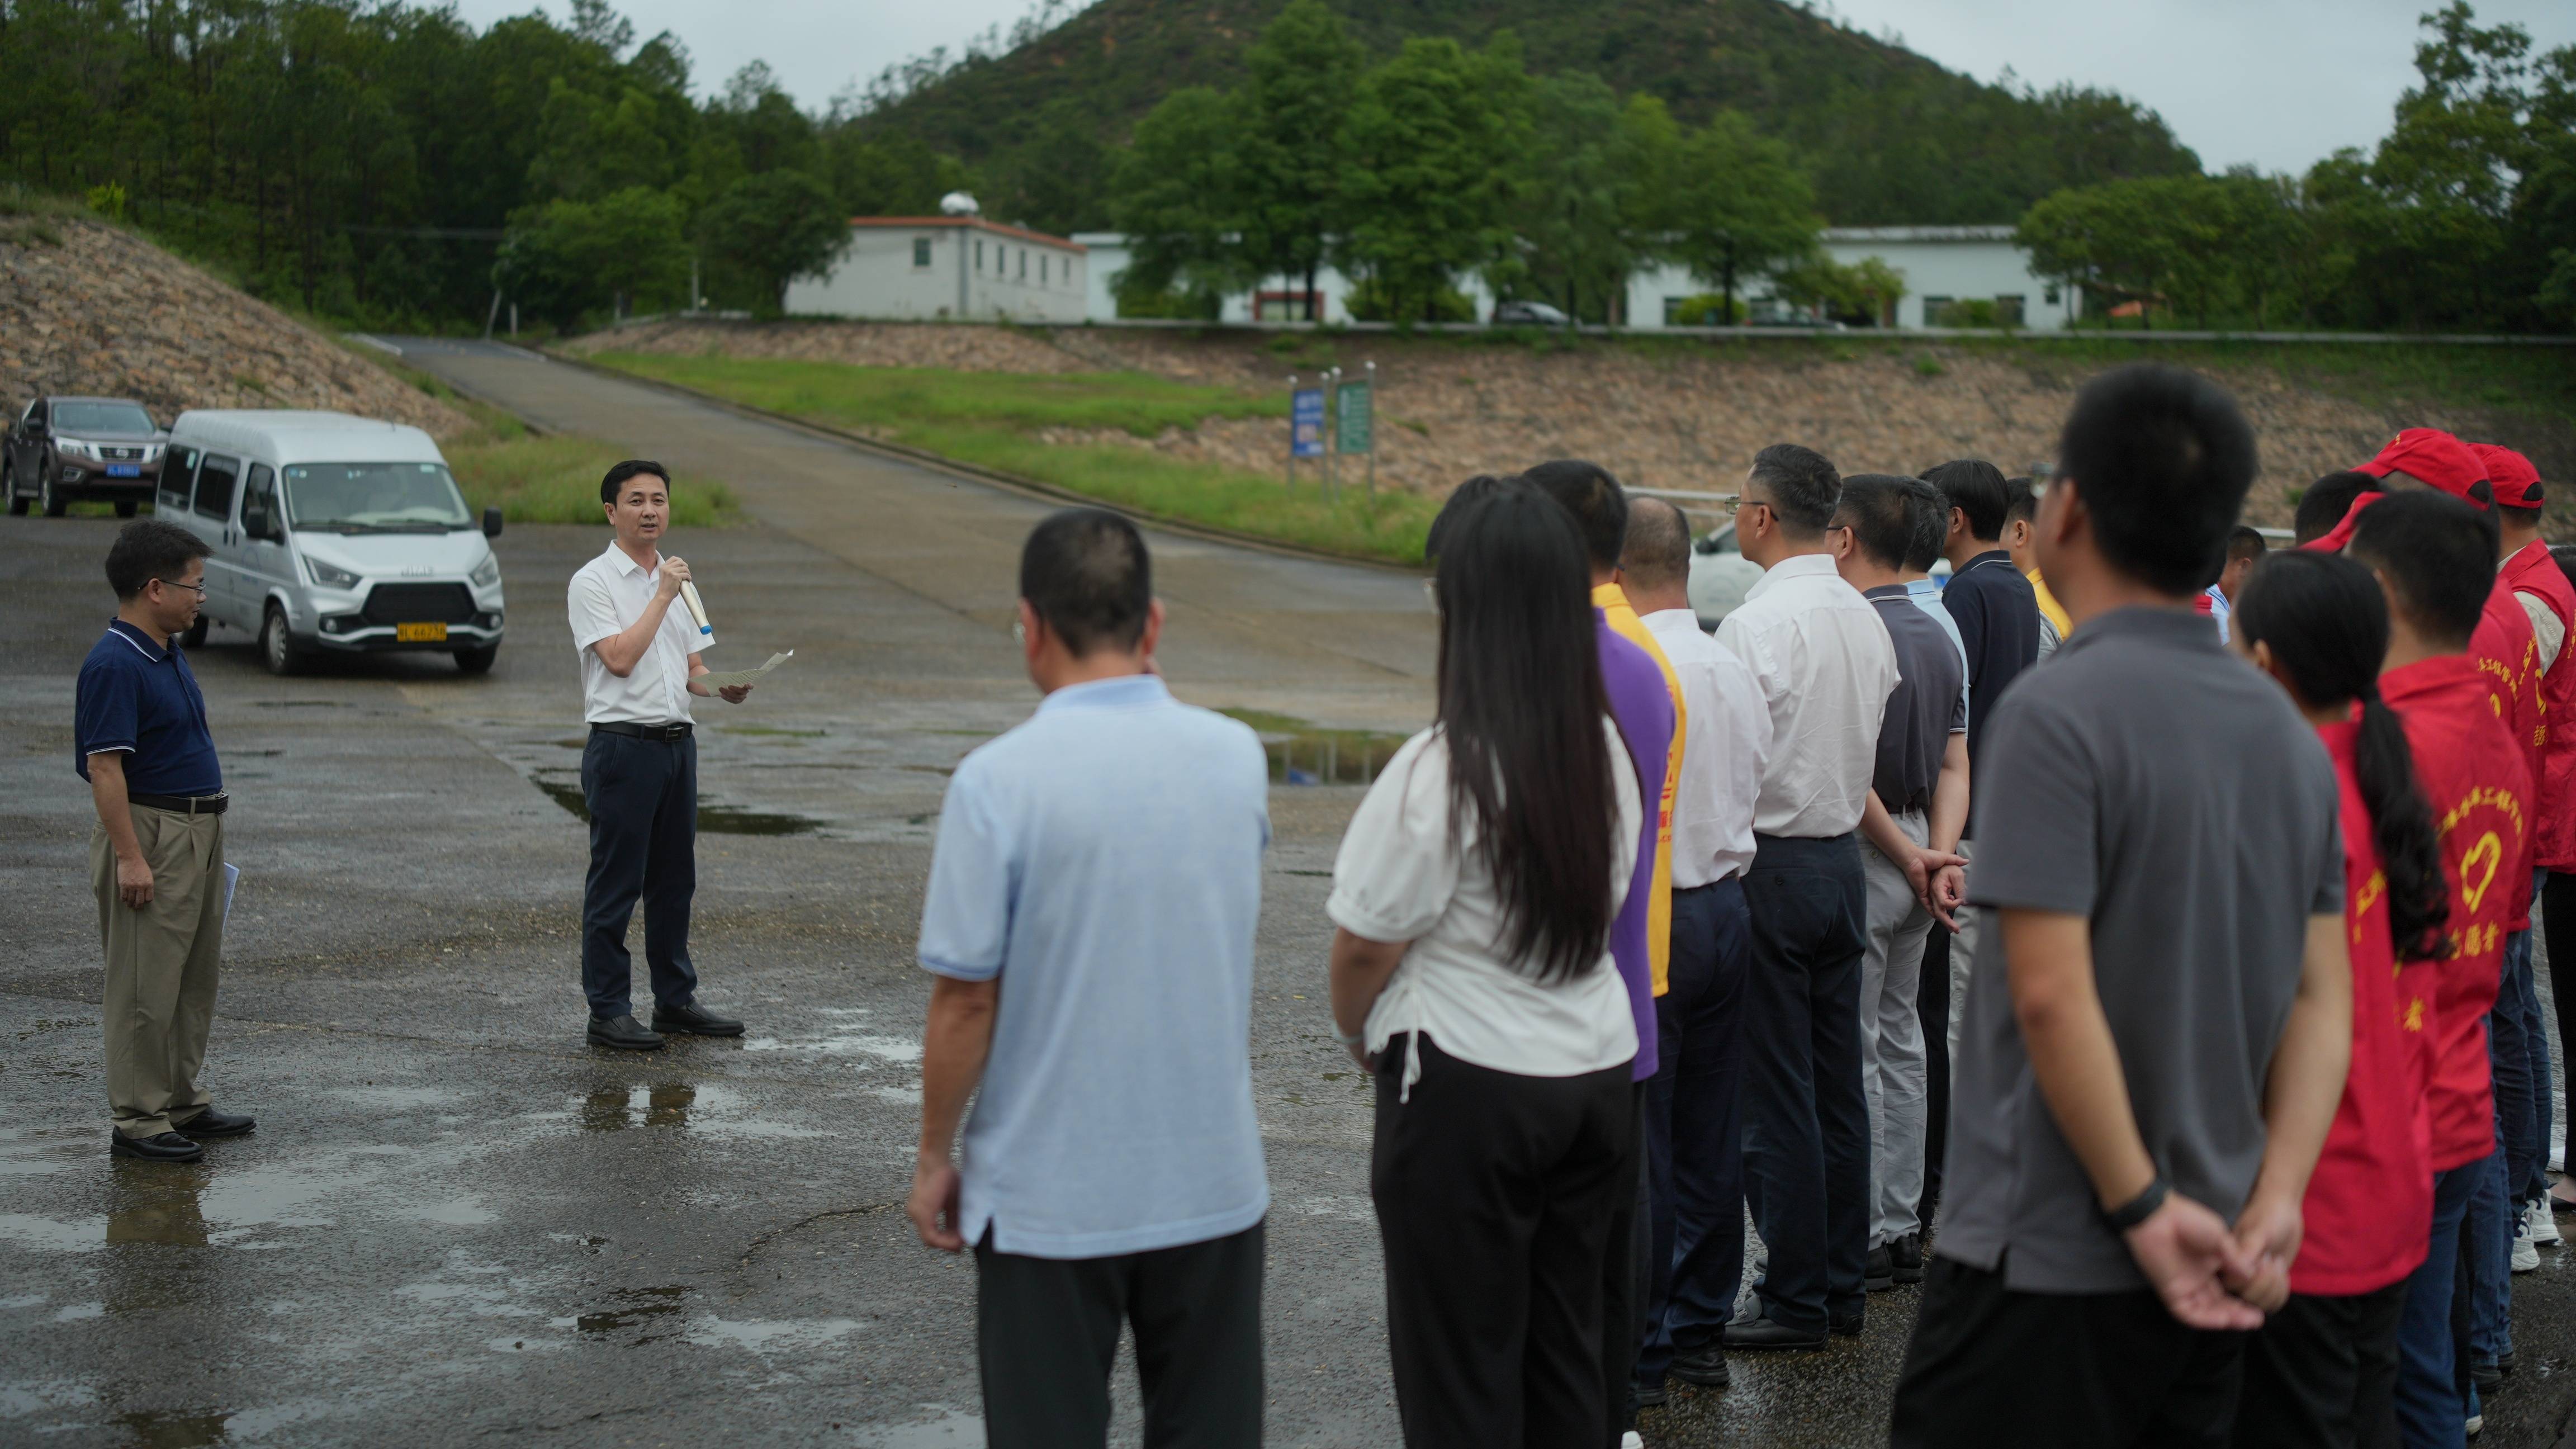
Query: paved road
x=457 y=1222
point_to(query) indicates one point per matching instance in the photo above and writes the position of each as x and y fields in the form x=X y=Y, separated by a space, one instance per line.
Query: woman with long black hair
x=1474 y=896
x=2323 y=1368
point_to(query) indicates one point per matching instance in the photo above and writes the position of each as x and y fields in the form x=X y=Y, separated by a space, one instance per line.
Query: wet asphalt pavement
x=458 y=1223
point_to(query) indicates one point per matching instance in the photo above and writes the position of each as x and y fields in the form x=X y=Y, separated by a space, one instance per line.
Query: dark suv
x=64 y=450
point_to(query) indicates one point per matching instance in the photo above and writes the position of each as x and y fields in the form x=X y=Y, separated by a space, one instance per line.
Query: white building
x=1942 y=265
x=948 y=268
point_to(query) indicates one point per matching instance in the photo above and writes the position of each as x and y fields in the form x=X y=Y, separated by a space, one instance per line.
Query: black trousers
x=1495 y=1195
x=643 y=802
x=1695 y=1127
x=2558 y=924
x=1046 y=1333
x=1989 y=1368
x=2322 y=1374
x=1933 y=1000
x=1806 y=1119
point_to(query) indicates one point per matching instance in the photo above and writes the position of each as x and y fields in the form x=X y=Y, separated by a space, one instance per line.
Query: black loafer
x=1906 y=1257
x=694 y=1019
x=211 y=1123
x=163 y=1147
x=1880 y=1274
x=624 y=1033
x=1643 y=1395
x=1848 y=1327
x=1763 y=1333
x=1702 y=1367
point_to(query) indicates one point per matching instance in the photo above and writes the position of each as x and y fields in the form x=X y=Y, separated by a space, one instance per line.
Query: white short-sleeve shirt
x=607 y=595
x=1411 y=870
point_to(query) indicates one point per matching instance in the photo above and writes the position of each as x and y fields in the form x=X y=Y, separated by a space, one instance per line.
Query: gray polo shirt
x=2151 y=781
x=1930 y=703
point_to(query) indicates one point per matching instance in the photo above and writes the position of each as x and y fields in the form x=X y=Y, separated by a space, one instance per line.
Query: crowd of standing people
x=2128 y=940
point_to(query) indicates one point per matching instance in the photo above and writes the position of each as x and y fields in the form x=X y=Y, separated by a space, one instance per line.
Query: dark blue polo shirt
x=1997 y=612
x=139 y=697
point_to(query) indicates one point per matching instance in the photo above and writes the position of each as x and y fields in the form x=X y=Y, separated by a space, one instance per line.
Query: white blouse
x=1405 y=875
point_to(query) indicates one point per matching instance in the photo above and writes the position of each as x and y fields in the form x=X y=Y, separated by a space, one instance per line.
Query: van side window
x=259 y=495
x=215 y=479
x=178 y=476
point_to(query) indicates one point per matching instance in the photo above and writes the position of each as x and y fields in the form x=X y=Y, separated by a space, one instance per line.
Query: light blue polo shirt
x=1104 y=860
x=1926 y=594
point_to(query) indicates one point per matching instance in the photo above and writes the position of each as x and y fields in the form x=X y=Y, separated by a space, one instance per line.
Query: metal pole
x=1292 y=432
x=1373 y=412
x=1332 y=441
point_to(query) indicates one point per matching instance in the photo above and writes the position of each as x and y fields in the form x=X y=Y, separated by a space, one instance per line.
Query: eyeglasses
x=175 y=584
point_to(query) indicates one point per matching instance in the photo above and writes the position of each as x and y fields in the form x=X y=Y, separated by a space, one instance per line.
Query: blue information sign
x=1306 y=423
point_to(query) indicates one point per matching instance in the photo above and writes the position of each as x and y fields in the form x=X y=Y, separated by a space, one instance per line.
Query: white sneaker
x=2525 y=1256
x=1632 y=1440
x=2544 y=1223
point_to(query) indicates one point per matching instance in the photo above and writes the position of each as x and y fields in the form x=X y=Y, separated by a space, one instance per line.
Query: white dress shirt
x=1412 y=869
x=607 y=595
x=1826 y=667
x=1725 y=739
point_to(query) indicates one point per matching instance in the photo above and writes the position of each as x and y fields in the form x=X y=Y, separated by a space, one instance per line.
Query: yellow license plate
x=420 y=633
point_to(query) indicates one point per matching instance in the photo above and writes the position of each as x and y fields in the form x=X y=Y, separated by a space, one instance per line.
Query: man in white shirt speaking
x=1826 y=668
x=1694 y=1121
x=639 y=768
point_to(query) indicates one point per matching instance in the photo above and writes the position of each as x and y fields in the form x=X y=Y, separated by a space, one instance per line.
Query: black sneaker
x=693 y=1019
x=1702 y=1367
x=624 y=1033
x=160 y=1147
x=1881 y=1272
x=1906 y=1253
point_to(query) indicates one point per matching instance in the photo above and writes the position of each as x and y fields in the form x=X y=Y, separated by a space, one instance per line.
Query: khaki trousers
x=160 y=993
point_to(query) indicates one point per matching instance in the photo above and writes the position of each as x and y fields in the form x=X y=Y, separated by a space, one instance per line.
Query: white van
x=332 y=533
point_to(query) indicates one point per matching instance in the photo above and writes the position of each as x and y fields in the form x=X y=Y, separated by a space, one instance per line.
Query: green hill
x=1889 y=136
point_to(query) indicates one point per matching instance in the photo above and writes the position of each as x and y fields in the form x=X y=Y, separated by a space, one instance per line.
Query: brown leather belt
x=183 y=804
x=663 y=732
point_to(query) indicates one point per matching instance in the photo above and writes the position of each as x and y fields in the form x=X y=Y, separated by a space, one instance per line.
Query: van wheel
x=277 y=647
x=195 y=638
x=478 y=661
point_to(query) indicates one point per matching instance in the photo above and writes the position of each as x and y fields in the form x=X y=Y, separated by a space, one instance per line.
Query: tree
x=1865 y=291
x=1739 y=206
x=1574 y=211
x=1058 y=181
x=565 y=257
x=2106 y=239
x=1302 y=76
x=1178 y=194
x=1435 y=137
x=775 y=226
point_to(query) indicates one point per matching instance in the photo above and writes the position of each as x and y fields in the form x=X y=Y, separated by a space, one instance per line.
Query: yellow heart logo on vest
x=2488 y=850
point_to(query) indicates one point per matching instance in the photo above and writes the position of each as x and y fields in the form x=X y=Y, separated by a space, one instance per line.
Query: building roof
x=2001 y=233
x=980 y=224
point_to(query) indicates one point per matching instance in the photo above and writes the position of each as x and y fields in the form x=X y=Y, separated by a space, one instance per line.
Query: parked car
x=333 y=534
x=66 y=450
x=1527 y=314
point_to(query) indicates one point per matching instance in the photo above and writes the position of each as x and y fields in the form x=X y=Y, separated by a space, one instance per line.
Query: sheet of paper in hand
x=742 y=676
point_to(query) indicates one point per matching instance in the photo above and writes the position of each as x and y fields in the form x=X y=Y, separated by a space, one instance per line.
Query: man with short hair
x=1089 y=928
x=639 y=769
x=2156 y=1041
x=1918 y=800
x=1694 y=1119
x=156 y=858
x=2018 y=516
x=1826 y=668
x=1998 y=614
x=2432 y=555
x=2324 y=503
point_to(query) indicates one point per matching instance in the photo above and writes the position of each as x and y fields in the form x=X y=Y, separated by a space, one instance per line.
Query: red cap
x=2433 y=456
x=2515 y=481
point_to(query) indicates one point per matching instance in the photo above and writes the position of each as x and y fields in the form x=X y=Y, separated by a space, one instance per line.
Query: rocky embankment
x=96 y=309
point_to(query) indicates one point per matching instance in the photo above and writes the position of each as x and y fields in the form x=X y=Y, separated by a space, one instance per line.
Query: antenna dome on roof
x=958 y=203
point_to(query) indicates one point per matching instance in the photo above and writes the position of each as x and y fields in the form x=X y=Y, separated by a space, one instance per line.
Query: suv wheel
x=277 y=647
x=9 y=486
x=478 y=661
x=46 y=498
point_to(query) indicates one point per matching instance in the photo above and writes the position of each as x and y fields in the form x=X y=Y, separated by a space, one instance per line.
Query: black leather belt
x=663 y=732
x=184 y=804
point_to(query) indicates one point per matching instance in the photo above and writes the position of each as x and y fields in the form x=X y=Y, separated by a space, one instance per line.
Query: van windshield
x=374 y=498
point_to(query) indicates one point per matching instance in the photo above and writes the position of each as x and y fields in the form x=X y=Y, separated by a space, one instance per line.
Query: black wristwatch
x=2140 y=1208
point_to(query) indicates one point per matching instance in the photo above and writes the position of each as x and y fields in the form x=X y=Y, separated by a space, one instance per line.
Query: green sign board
x=1355 y=415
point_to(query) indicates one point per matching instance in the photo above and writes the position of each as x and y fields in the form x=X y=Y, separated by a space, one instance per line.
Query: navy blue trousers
x=1806 y=1119
x=1695 y=1127
x=643 y=799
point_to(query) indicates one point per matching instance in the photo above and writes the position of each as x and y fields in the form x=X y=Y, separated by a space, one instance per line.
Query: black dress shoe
x=1704 y=1366
x=162 y=1147
x=1848 y=1327
x=211 y=1123
x=1760 y=1332
x=694 y=1019
x=624 y=1033
x=1643 y=1395
x=1880 y=1274
x=1906 y=1255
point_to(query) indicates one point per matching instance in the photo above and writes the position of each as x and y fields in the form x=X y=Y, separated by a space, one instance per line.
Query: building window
x=921 y=251
x=979 y=254
x=1024 y=264
x=2008 y=311
x=1042 y=269
x=2050 y=296
x=1936 y=311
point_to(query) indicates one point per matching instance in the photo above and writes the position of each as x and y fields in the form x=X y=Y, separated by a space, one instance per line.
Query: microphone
x=697 y=610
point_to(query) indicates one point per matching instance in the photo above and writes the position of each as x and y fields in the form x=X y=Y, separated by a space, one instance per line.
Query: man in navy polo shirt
x=157 y=858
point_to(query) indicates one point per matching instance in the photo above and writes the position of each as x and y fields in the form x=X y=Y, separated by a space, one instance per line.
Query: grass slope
x=995 y=419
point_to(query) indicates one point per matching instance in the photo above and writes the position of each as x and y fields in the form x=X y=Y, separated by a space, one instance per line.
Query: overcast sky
x=2279 y=83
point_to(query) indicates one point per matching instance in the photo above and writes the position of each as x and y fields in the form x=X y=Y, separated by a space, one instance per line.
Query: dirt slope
x=106 y=312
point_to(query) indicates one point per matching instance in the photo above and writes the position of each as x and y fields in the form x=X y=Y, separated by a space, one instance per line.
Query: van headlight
x=487 y=573
x=329 y=576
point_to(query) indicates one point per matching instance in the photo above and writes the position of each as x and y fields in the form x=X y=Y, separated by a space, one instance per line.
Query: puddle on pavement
x=155 y=1204
x=635 y=1307
x=303 y=704
x=771 y=731
x=848 y=1034
x=614 y=1109
x=764 y=1336
x=1302 y=754
x=712 y=819
x=953 y=1429
x=161 y=1429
